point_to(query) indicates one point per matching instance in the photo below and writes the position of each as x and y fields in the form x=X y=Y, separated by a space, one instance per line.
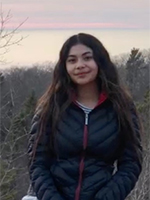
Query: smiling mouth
x=81 y=74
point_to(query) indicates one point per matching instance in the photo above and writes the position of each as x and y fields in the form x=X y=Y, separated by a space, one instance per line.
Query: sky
x=55 y=14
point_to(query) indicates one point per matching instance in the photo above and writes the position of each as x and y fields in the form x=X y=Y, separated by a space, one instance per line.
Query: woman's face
x=81 y=65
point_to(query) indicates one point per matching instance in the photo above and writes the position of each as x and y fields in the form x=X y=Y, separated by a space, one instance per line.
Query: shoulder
x=34 y=126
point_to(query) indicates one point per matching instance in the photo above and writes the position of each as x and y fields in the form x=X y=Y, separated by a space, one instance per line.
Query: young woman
x=83 y=124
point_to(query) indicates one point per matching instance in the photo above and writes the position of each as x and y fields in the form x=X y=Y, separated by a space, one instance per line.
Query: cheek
x=95 y=70
x=69 y=71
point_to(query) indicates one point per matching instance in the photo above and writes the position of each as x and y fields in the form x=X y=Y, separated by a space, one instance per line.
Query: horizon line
x=82 y=25
x=78 y=28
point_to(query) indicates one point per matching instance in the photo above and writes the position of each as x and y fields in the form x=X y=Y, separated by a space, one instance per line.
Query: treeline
x=20 y=90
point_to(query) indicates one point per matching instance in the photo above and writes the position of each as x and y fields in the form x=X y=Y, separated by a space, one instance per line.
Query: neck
x=88 y=94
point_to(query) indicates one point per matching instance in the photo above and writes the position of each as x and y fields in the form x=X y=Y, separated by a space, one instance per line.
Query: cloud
x=73 y=13
x=73 y=25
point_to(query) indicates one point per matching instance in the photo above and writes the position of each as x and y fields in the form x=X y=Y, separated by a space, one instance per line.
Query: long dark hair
x=59 y=94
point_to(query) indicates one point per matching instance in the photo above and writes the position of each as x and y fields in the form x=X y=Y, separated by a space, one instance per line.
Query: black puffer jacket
x=83 y=169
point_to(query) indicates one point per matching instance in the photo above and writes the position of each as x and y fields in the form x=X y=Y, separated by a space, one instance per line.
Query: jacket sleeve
x=39 y=169
x=128 y=169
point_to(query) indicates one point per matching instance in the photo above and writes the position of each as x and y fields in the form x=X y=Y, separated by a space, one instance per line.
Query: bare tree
x=8 y=158
x=13 y=155
x=20 y=88
x=7 y=37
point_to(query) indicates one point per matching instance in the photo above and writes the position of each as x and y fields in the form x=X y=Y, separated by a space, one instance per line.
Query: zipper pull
x=86 y=118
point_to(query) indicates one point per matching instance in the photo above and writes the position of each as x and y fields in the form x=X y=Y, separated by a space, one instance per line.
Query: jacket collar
x=102 y=97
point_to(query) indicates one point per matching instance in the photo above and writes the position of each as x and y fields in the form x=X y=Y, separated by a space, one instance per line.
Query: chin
x=82 y=83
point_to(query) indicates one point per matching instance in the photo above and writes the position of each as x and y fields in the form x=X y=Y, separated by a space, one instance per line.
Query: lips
x=82 y=73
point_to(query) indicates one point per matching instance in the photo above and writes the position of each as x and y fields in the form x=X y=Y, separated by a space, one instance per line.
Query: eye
x=88 y=58
x=71 y=60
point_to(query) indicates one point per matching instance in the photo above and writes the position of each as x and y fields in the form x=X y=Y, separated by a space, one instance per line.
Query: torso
x=101 y=151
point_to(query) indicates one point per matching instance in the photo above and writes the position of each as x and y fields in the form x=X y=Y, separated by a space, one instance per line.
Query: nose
x=80 y=64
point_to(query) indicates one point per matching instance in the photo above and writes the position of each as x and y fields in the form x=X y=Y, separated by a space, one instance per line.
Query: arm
x=39 y=168
x=129 y=168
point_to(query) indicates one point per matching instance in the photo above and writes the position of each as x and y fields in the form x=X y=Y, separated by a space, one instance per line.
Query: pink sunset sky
x=53 y=14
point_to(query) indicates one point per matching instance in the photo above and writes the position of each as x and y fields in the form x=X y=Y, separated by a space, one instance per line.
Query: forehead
x=79 y=49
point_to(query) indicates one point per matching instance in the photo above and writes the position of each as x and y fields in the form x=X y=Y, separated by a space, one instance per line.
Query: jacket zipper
x=81 y=165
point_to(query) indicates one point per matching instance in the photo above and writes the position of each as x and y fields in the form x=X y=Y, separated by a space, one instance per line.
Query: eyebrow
x=87 y=52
